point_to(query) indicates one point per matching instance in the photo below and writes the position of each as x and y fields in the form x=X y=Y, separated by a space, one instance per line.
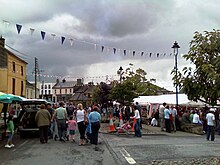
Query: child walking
x=71 y=128
x=10 y=132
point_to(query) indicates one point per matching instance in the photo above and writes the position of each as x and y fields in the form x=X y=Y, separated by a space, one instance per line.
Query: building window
x=42 y=86
x=22 y=87
x=70 y=90
x=48 y=86
x=13 y=67
x=66 y=91
x=45 y=86
x=45 y=92
x=55 y=91
x=42 y=92
x=49 y=92
x=22 y=71
x=13 y=86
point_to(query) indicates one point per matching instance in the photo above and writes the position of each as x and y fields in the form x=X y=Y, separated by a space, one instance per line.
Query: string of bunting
x=59 y=77
x=102 y=48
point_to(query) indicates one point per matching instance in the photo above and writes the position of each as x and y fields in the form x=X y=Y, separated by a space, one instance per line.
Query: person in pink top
x=71 y=128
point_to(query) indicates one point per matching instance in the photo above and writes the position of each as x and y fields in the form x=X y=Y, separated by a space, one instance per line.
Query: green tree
x=101 y=93
x=203 y=82
x=123 y=92
x=134 y=84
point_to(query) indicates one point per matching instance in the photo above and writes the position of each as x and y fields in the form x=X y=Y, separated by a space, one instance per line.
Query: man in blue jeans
x=210 y=117
x=137 y=128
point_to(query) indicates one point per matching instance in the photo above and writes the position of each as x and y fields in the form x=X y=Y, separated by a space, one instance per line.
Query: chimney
x=2 y=42
x=78 y=82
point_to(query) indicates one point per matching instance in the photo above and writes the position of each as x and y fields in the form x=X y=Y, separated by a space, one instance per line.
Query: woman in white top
x=80 y=118
x=137 y=127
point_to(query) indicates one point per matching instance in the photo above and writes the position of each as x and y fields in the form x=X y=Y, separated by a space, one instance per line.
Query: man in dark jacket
x=43 y=119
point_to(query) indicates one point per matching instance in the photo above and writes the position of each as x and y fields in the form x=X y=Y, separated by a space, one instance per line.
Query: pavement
x=146 y=131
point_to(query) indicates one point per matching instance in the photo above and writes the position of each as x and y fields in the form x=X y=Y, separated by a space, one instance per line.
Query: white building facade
x=46 y=91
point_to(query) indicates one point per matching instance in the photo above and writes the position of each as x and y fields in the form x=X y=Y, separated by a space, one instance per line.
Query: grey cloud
x=140 y=25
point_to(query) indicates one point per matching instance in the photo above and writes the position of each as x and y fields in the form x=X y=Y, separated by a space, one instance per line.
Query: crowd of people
x=169 y=118
x=59 y=122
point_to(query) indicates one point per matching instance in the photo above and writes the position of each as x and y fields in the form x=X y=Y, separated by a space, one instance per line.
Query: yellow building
x=12 y=72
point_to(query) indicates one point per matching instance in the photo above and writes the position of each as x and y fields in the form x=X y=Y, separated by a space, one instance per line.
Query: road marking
x=127 y=156
x=23 y=143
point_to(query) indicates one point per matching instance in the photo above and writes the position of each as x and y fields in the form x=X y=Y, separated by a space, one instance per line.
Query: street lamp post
x=175 y=49
x=120 y=73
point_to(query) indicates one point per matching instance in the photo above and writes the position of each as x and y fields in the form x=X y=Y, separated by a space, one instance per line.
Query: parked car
x=27 y=124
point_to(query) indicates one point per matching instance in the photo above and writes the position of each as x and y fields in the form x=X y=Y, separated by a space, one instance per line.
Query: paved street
x=179 y=148
x=31 y=152
x=152 y=148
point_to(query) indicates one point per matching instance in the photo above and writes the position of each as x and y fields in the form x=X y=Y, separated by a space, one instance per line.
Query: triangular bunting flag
x=62 y=39
x=53 y=36
x=18 y=28
x=114 y=50
x=6 y=23
x=103 y=48
x=32 y=31
x=125 y=52
x=71 y=41
x=43 y=34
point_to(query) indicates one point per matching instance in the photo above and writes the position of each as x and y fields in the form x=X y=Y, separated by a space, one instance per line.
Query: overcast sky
x=151 y=26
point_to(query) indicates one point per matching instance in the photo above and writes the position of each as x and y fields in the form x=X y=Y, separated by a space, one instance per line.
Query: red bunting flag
x=32 y=31
x=71 y=41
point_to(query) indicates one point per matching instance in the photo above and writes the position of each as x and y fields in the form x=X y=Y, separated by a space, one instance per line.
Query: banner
x=103 y=48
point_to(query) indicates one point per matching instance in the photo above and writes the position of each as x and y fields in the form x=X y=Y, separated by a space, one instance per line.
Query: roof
x=12 y=54
x=79 y=97
x=167 y=98
x=29 y=84
x=66 y=84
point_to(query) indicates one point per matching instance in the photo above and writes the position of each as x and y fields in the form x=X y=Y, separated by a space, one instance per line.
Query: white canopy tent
x=168 y=98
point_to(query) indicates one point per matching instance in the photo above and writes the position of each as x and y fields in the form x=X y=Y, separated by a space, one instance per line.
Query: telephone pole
x=35 y=76
x=36 y=73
